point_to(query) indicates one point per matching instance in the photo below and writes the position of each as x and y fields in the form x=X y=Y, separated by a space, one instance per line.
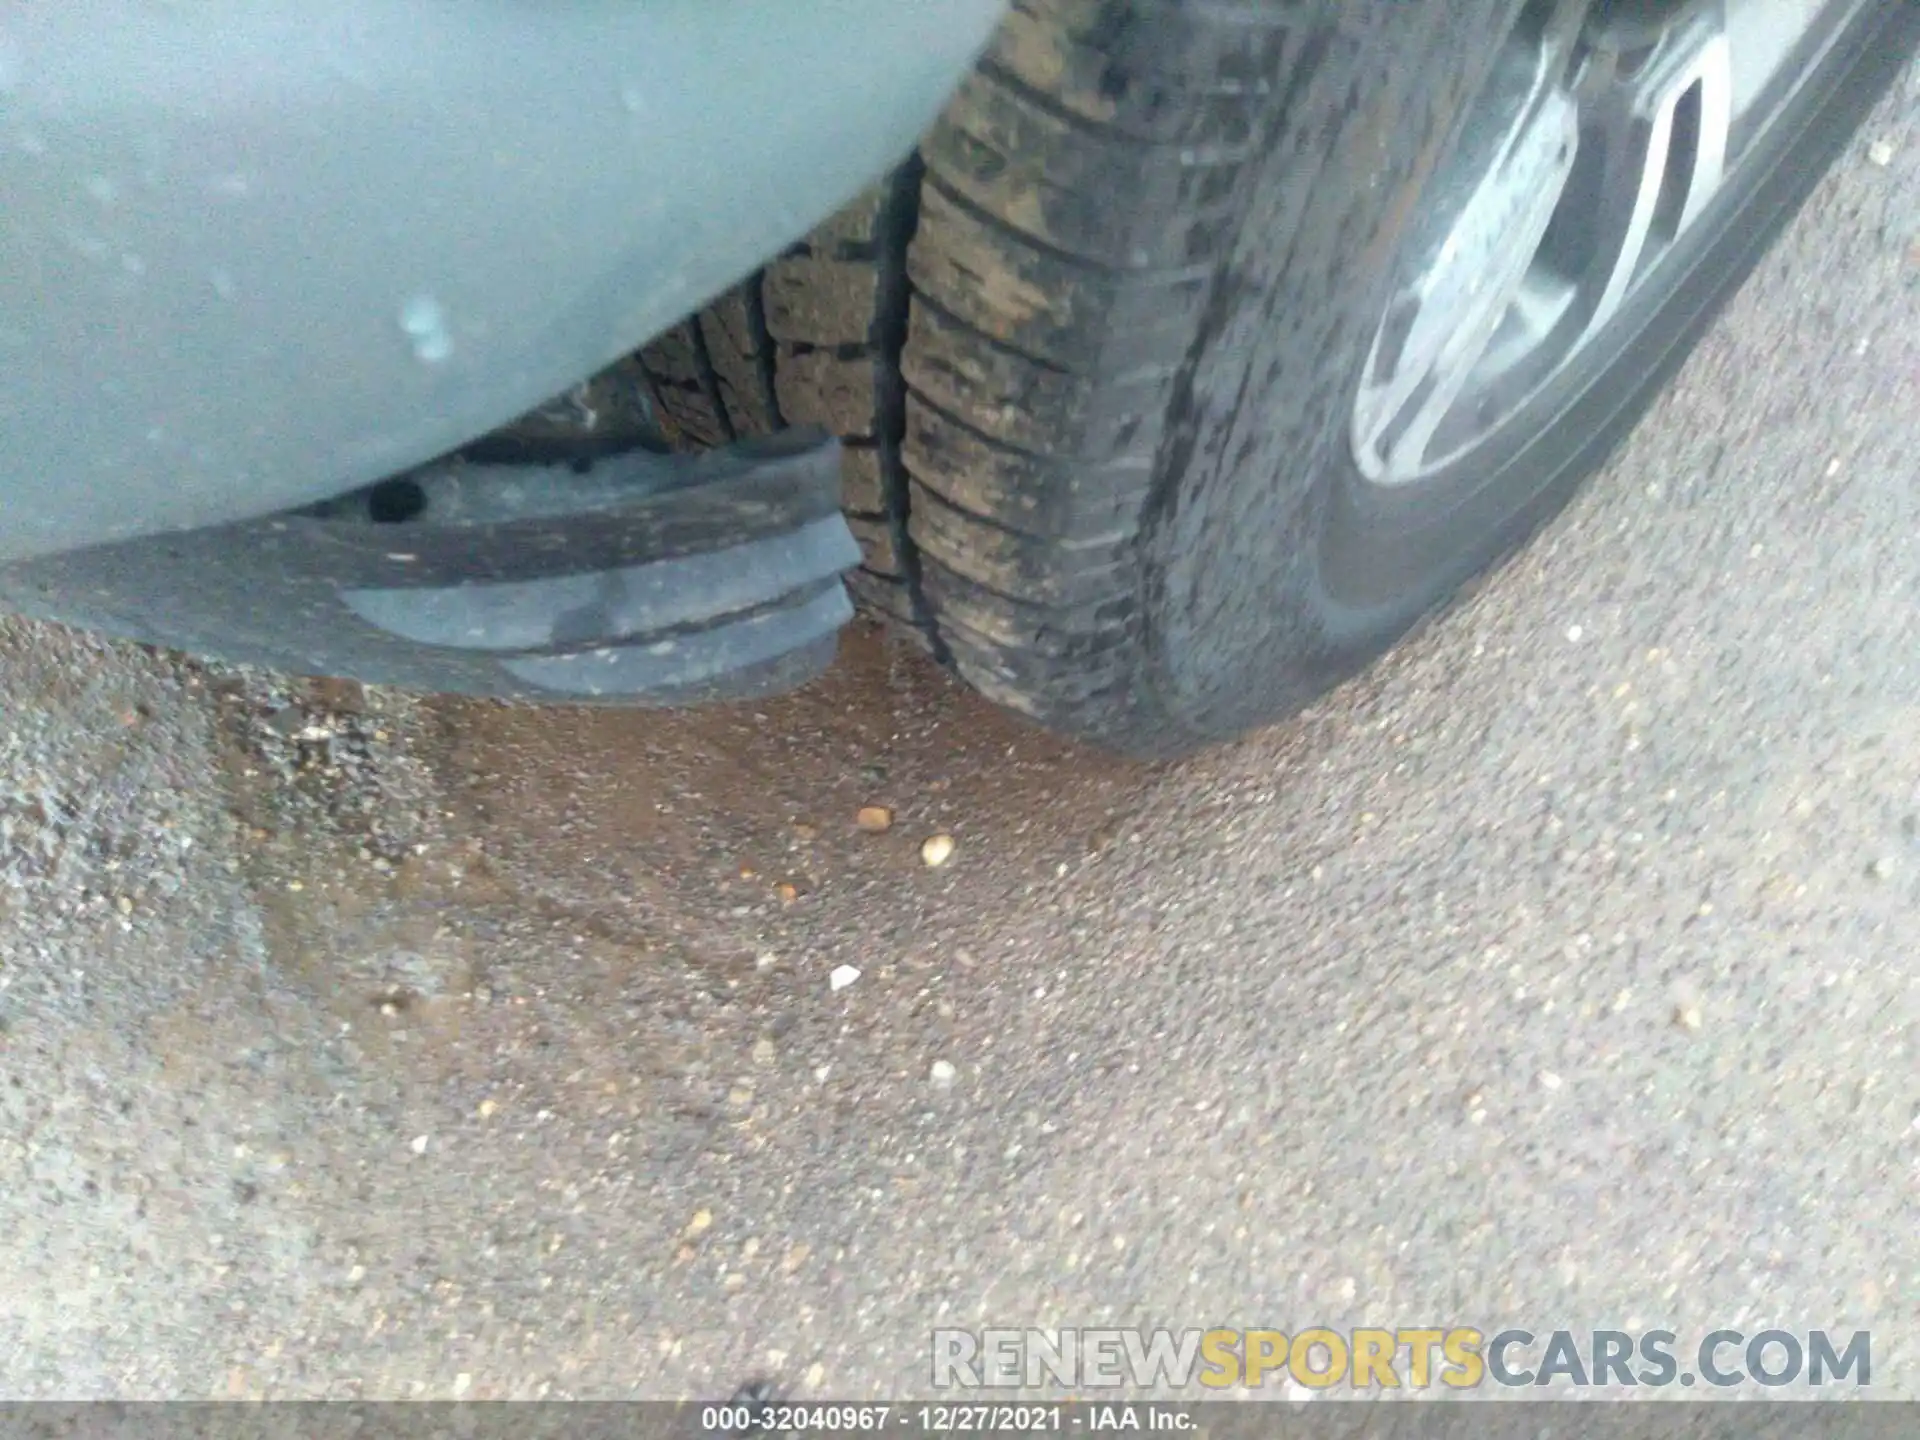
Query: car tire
x=1096 y=348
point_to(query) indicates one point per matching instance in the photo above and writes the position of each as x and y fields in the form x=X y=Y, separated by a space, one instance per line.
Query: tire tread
x=999 y=342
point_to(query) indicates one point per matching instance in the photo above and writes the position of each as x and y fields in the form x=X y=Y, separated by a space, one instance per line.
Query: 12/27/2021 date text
x=832 y=1419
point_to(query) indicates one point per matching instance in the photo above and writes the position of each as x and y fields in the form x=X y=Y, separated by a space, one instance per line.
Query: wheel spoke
x=1474 y=288
x=1662 y=126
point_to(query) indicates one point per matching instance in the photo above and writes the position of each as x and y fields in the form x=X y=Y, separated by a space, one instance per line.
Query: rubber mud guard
x=649 y=580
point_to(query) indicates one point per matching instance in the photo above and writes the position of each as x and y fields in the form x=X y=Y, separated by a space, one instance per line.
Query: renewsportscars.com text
x=1458 y=1357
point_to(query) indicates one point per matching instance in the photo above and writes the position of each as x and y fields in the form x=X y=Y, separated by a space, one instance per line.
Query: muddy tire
x=1095 y=350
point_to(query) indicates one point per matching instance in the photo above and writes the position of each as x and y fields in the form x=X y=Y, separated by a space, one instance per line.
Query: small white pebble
x=1549 y=1080
x=1880 y=152
x=420 y=1144
x=1574 y=632
x=936 y=850
x=842 y=976
x=1687 y=1017
x=943 y=1074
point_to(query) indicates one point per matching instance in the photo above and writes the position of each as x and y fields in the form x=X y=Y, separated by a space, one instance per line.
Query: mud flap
x=645 y=579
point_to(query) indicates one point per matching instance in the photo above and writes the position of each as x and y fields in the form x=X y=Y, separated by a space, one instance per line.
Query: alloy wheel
x=1603 y=134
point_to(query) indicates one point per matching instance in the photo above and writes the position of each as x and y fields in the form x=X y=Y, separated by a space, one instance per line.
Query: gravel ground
x=1560 y=972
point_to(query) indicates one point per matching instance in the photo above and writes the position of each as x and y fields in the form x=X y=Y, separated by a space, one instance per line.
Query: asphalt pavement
x=1559 y=973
